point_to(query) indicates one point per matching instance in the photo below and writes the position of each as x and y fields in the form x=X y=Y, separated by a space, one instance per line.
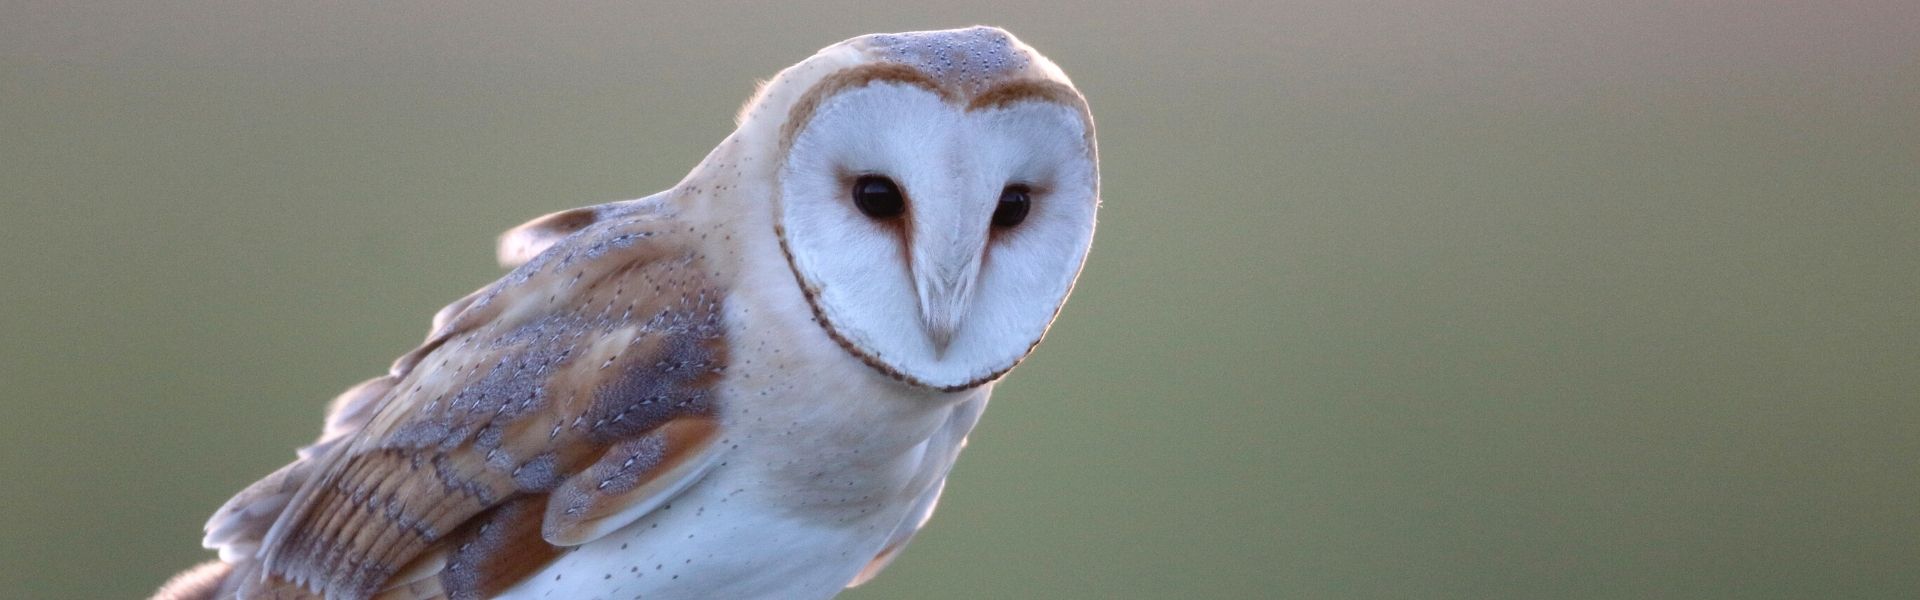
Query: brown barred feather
x=586 y=370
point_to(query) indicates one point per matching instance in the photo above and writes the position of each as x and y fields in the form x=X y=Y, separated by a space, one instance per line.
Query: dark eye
x=878 y=197
x=1013 y=206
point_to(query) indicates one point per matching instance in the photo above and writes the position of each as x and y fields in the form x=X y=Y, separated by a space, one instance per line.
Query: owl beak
x=945 y=291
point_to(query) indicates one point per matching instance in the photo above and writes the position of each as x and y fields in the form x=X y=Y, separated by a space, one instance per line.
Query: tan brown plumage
x=789 y=346
x=573 y=389
x=198 y=583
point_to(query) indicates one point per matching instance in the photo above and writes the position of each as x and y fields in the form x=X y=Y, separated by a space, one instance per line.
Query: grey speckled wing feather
x=545 y=410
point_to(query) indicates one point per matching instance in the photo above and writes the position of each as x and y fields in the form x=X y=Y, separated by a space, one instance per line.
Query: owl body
x=737 y=533
x=839 y=486
x=751 y=385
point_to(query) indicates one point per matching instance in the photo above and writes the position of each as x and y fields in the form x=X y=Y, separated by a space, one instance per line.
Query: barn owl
x=751 y=385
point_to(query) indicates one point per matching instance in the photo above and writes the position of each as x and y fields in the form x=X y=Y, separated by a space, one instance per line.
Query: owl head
x=934 y=196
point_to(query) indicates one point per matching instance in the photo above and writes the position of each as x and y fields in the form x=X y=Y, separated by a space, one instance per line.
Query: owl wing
x=544 y=411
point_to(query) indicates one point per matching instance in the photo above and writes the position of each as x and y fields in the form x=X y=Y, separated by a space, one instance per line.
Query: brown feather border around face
x=997 y=95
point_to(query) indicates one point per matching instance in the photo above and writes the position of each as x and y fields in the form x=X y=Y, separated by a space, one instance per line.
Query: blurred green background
x=1402 y=299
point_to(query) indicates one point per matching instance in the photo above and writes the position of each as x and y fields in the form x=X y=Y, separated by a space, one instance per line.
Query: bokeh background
x=1399 y=299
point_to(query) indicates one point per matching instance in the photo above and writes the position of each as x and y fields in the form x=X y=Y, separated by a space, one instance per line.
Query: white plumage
x=751 y=385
